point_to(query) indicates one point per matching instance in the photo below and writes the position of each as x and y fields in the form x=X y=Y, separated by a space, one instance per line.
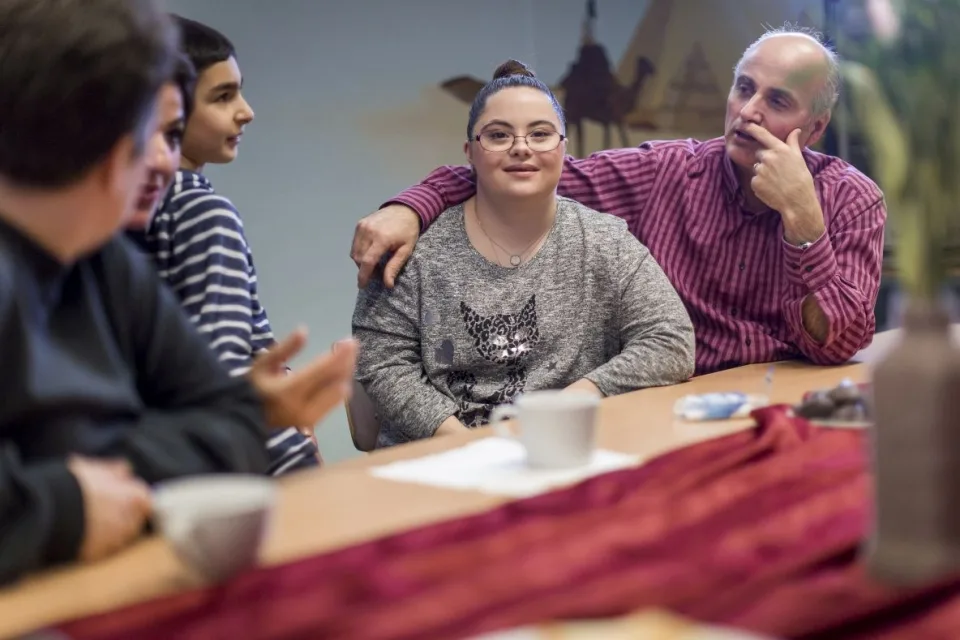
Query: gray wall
x=347 y=115
x=349 y=112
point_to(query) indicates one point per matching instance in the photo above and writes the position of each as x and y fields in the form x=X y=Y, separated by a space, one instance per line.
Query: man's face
x=775 y=87
x=220 y=113
x=162 y=156
x=112 y=189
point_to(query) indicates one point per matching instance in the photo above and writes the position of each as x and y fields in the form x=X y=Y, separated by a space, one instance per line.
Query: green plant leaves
x=904 y=96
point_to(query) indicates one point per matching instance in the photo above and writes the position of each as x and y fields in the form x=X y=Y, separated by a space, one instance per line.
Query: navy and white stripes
x=198 y=245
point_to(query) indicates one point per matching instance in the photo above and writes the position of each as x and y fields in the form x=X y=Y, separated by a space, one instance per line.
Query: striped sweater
x=197 y=243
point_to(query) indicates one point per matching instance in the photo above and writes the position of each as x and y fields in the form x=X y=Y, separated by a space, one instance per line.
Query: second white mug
x=557 y=428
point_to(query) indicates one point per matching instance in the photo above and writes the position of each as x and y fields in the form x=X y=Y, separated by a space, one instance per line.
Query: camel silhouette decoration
x=588 y=91
x=592 y=92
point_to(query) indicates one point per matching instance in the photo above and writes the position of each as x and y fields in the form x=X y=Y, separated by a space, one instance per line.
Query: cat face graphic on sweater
x=504 y=338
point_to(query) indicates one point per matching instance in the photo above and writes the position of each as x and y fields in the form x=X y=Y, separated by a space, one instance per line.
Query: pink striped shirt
x=742 y=284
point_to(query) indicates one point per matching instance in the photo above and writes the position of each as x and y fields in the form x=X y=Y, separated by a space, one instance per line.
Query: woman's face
x=162 y=154
x=518 y=170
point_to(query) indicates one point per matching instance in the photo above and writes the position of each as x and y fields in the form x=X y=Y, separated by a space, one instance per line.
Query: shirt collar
x=714 y=151
x=35 y=255
x=139 y=237
x=731 y=186
x=43 y=268
x=732 y=191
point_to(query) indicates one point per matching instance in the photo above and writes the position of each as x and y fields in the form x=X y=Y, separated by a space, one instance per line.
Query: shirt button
x=808 y=268
x=748 y=342
x=742 y=266
x=733 y=311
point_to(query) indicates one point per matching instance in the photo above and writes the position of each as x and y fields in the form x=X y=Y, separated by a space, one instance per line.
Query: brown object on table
x=846 y=393
x=916 y=452
x=818 y=405
x=853 y=412
x=845 y=402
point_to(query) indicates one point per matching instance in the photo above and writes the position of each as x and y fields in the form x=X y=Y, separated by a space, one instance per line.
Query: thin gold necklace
x=515 y=259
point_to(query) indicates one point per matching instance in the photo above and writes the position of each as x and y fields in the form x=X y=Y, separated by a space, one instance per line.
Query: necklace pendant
x=516 y=260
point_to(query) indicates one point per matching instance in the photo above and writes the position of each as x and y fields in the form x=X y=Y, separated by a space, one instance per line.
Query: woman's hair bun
x=512 y=68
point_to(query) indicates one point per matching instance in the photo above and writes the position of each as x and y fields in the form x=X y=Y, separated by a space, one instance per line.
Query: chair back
x=363 y=419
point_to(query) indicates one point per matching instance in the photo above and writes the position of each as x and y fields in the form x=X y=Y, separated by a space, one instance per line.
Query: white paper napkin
x=497 y=466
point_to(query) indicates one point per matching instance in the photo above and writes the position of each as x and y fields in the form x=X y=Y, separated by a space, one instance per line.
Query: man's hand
x=302 y=397
x=783 y=182
x=116 y=505
x=393 y=229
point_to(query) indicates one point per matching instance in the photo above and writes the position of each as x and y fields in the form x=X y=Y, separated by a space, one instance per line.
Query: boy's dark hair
x=185 y=77
x=76 y=76
x=205 y=46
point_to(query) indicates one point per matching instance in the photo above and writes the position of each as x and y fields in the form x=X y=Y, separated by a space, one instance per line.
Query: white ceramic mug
x=216 y=523
x=557 y=428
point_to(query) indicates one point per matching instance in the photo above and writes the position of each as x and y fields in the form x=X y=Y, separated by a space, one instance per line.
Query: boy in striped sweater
x=196 y=238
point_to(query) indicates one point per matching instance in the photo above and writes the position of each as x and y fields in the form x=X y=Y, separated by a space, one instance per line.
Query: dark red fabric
x=760 y=530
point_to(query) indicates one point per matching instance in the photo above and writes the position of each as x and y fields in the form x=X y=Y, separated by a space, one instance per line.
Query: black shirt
x=97 y=358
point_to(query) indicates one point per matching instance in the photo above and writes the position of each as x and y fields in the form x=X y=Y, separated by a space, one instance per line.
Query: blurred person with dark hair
x=106 y=387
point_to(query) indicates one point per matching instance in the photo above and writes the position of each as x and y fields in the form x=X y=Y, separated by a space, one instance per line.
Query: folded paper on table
x=497 y=466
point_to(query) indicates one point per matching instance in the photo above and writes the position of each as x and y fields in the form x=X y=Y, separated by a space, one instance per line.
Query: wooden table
x=883 y=342
x=343 y=504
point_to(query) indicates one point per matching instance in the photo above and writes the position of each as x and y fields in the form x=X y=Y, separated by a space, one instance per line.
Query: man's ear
x=819 y=128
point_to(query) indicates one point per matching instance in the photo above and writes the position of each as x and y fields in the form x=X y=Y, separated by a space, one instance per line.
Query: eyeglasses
x=540 y=140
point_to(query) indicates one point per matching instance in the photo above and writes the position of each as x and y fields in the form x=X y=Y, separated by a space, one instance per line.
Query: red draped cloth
x=761 y=530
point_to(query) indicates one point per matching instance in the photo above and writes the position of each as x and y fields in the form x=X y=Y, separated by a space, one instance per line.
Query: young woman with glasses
x=517 y=289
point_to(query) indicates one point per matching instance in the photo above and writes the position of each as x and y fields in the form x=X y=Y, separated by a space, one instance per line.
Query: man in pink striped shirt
x=775 y=249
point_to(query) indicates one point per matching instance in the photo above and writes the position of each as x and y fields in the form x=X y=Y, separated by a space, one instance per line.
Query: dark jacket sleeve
x=197 y=418
x=41 y=507
x=41 y=515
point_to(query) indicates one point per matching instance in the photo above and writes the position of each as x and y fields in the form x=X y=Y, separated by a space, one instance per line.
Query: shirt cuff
x=813 y=266
x=65 y=537
x=599 y=380
x=435 y=418
x=423 y=200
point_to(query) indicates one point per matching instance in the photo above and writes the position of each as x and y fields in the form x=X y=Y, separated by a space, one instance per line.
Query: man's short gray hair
x=827 y=98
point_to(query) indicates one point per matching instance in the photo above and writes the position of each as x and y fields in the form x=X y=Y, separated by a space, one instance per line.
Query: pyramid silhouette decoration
x=694 y=45
x=693 y=100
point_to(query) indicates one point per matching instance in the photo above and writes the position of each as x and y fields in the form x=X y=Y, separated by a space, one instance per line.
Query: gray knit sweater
x=459 y=335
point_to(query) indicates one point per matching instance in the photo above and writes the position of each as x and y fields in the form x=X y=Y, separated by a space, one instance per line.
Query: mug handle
x=497 y=418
